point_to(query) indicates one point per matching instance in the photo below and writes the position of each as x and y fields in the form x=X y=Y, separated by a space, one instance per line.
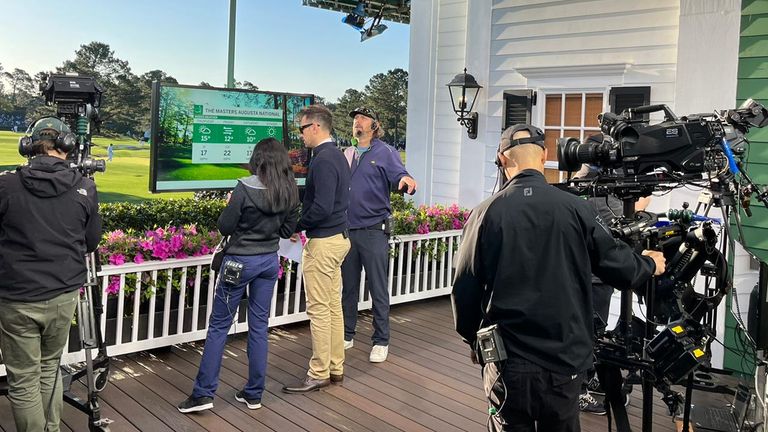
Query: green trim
x=752 y=83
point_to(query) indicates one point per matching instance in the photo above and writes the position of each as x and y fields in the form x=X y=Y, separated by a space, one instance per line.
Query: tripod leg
x=687 y=409
x=610 y=377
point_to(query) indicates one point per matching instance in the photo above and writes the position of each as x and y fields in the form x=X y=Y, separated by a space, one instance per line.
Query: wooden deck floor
x=427 y=384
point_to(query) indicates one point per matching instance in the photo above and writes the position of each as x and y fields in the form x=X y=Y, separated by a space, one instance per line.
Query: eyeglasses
x=301 y=128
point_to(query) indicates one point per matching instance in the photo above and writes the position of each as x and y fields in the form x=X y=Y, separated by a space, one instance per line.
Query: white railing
x=177 y=295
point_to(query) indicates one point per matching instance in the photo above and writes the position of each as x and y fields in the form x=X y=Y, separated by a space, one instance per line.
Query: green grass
x=126 y=178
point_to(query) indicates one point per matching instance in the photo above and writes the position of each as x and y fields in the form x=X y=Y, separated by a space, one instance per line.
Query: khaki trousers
x=321 y=260
x=32 y=340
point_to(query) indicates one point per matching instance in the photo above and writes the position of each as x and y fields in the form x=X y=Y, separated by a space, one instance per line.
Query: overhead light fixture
x=464 y=88
x=356 y=18
x=376 y=28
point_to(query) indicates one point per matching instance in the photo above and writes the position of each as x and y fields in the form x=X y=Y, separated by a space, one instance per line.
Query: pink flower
x=138 y=259
x=117 y=259
x=204 y=250
x=114 y=285
x=423 y=229
x=191 y=229
x=280 y=272
x=115 y=235
x=457 y=224
x=160 y=250
x=177 y=241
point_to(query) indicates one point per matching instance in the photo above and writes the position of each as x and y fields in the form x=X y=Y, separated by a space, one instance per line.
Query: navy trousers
x=258 y=277
x=370 y=250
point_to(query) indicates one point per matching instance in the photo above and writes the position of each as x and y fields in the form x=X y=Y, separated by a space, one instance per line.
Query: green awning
x=394 y=10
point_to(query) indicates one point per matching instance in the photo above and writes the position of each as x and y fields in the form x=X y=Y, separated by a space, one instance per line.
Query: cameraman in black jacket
x=526 y=263
x=49 y=220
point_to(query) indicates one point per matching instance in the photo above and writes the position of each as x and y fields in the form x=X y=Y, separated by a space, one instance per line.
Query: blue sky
x=280 y=44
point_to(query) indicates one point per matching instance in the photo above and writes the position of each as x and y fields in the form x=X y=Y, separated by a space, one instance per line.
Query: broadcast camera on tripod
x=633 y=160
x=77 y=99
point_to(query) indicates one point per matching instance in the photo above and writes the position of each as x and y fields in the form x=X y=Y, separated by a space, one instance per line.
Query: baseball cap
x=366 y=112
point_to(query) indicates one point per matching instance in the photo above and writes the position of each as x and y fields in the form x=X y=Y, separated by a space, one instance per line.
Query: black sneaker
x=192 y=404
x=251 y=403
x=589 y=404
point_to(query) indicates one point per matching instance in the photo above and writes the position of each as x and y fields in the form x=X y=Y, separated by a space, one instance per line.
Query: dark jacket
x=326 y=196
x=531 y=250
x=49 y=219
x=374 y=175
x=255 y=228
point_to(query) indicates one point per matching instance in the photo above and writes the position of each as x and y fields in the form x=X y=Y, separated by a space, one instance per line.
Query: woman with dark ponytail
x=261 y=209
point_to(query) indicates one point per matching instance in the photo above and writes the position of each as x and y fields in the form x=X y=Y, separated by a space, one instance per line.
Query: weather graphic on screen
x=203 y=138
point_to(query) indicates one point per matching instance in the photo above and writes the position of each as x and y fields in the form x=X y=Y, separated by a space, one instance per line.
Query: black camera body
x=77 y=99
x=688 y=146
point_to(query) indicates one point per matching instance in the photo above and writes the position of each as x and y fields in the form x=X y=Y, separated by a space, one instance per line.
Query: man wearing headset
x=49 y=220
x=525 y=264
x=376 y=170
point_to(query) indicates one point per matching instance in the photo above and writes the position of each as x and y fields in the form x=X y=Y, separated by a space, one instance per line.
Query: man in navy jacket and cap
x=376 y=170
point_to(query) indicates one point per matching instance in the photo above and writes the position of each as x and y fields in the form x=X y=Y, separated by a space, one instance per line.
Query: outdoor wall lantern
x=463 y=89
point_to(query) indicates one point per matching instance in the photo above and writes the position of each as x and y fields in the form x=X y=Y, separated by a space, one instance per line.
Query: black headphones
x=47 y=128
x=537 y=137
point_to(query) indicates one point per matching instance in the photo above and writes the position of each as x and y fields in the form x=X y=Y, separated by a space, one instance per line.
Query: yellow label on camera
x=678 y=329
x=698 y=352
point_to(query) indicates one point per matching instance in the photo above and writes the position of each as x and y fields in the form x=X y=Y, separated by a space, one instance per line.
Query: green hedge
x=201 y=210
x=151 y=214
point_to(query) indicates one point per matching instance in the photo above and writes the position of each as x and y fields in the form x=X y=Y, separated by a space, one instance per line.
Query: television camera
x=632 y=158
x=77 y=100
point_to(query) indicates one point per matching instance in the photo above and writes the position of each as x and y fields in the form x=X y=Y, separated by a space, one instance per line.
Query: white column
x=478 y=59
x=421 y=95
x=707 y=66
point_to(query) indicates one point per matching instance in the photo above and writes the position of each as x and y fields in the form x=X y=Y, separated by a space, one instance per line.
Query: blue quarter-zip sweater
x=326 y=197
x=374 y=175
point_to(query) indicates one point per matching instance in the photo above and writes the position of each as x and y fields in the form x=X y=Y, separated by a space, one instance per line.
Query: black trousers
x=528 y=398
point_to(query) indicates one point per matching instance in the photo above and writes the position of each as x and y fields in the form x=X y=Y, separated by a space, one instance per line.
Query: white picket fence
x=419 y=268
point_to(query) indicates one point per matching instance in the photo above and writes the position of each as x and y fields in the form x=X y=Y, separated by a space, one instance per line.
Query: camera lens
x=571 y=153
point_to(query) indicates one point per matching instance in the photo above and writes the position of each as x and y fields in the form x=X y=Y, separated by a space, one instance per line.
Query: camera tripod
x=96 y=370
x=638 y=346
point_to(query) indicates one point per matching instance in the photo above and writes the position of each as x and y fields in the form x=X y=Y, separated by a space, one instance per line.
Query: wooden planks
x=427 y=384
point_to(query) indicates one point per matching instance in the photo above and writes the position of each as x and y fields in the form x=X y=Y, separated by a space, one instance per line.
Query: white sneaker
x=348 y=344
x=378 y=353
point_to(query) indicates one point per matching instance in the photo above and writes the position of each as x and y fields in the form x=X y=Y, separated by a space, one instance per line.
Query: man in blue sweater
x=376 y=168
x=324 y=217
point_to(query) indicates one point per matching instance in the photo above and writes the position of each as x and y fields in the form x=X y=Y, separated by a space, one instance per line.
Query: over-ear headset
x=47 y=128
x=537 y=137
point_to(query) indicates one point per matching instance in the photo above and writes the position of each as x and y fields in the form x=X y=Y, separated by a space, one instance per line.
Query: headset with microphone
x=367 y=112
x=49 y=128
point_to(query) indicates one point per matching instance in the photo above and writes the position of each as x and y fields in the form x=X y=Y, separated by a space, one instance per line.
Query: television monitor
x=202 y=137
